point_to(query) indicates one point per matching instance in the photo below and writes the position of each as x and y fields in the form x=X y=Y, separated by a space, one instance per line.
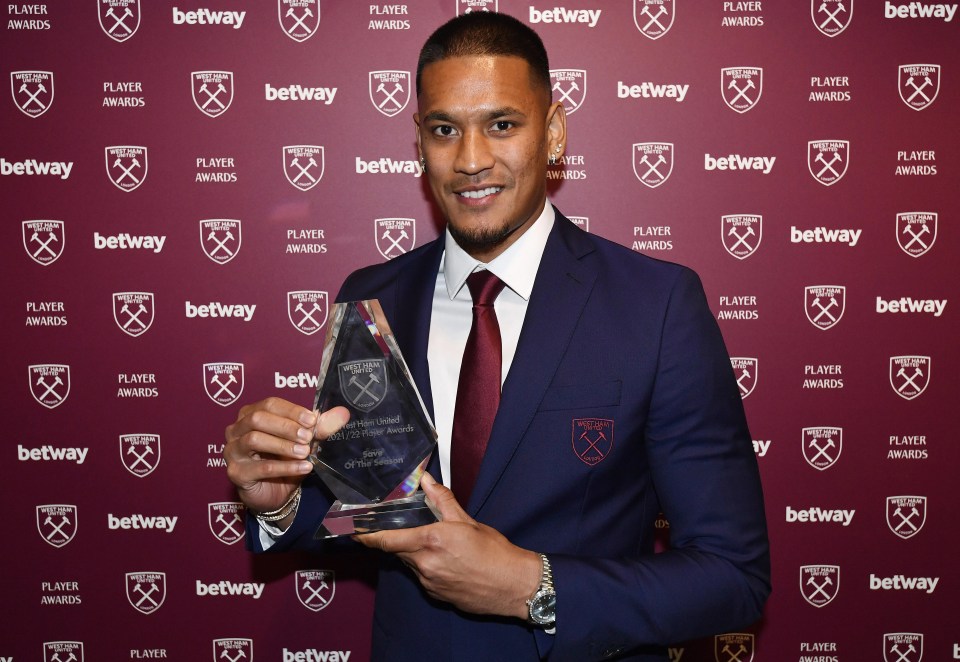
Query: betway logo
x=919 y=10
x=303 y=380
x=124 y=241
x=902 y=583
x=217 y=309
x=230 y=588
x=59 y=169
x=141 y=522
x=652 y=91
x=737 y=162
x=388 y=166
x=312 y=655
x=820 y=515
x=911 y=305
x=564 y=15
x=761 y=446
x=300 y=93
x=51 y=454
x=825 y=235
x=204 y=16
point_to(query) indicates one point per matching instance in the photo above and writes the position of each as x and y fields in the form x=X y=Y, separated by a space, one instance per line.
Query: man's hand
x=267 y=447
x=463 y=562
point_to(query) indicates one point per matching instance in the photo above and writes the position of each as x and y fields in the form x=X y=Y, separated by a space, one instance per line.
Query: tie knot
x=485 y=287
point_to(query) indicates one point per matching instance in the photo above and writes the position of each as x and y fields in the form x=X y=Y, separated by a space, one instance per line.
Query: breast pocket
x=581 y=396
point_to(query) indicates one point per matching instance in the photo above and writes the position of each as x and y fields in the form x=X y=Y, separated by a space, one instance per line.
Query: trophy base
x=347 y=519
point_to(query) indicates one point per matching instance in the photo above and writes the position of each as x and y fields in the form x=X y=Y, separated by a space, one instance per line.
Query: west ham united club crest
x=119 y=19
x=741 y=234
x=364 y=382
x=49 y=383
x=299 y=19
x=822 y=446
x=909 y=375
x=307 y=310
x=902 y=647
x=916 y=232
x=394 y=236
x=582 y=222
x=315 y=588
x=733 y=647
x=233 y=650
x=652 y=162
x=827 y=160
x=654 y=18
x=212 y=91
x=745 y=372
x=226 y=521
x=389 y=91
x=32 y=91
x=126 y=166
x=43 y=241
x=467 y=6
x=223 y=382
x=741 y=87
x=819 y=584
x=57 y=523
x=592 y=439
x=569 y=88
x=906 y=515
x=220 y=239
x=303 y=165
x=133 y=312
x=146 y=591
x=831 y=17
x=824 y=304
x=140 y=453
x=61 y=651
x=919 y=84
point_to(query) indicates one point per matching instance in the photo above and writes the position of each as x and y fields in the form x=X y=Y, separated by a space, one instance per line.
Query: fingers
x=330 y=421
x=444 y=500
x=275 y=417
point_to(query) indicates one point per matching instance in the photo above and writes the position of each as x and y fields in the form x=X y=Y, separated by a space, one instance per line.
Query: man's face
x=486 y=133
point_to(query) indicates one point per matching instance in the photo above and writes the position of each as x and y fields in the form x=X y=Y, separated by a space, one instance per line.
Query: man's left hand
x=461 y=561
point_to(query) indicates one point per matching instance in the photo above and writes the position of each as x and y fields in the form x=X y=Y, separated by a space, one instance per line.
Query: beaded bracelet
x=289 y=507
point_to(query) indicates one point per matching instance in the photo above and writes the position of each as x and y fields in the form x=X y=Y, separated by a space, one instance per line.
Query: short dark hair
x=488 y=33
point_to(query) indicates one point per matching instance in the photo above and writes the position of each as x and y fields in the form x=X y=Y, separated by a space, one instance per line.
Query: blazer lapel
x=410 y=315
x=560 y=292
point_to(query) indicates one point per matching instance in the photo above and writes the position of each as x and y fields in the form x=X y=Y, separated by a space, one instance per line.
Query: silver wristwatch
x=543 y=604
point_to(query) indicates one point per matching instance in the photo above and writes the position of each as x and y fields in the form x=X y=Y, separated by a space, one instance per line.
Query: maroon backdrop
x=186 y=184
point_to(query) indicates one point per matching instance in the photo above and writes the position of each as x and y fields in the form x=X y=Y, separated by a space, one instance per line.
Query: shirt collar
x=517 y=266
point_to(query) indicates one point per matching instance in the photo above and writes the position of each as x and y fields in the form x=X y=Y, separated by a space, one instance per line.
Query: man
x=618 y=402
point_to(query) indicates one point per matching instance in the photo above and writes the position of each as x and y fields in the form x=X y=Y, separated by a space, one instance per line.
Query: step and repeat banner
x=186 y=183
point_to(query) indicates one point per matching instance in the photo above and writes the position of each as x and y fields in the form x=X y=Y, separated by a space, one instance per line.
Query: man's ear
x=416 y=122
x=556 y=130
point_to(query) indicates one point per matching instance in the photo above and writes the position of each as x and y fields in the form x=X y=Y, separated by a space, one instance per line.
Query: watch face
x=543 y=608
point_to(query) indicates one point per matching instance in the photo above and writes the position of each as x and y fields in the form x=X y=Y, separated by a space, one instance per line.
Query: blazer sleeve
x=715 y=577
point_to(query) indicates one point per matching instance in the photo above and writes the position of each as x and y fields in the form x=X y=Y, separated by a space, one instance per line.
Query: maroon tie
x=478 y=392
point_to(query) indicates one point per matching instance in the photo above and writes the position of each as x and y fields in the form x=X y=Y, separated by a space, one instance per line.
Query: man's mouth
x=481 y=193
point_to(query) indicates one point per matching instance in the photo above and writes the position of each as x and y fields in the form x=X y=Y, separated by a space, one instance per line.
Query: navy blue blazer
x=620 y=404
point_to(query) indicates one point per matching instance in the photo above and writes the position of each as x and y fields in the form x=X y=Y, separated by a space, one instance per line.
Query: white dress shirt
x=452 y=316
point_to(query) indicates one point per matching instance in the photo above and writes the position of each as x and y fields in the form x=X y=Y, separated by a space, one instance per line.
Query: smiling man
x=612 y=400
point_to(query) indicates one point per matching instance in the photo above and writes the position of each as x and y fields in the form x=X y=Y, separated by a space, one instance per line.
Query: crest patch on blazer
x=592 y=439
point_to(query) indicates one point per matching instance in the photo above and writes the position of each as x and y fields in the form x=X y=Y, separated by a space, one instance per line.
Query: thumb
x=443 y=499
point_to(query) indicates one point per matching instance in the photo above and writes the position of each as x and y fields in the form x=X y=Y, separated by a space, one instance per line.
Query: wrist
x=542 y=605
x=283 y=516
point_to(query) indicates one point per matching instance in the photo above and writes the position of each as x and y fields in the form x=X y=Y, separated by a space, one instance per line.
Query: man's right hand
x=267 y=447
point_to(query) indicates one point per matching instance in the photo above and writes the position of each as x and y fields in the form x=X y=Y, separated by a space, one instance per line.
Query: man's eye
x=444 y=130
x=503 y=125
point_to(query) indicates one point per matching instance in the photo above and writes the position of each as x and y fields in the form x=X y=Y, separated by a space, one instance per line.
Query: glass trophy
x=374 y=463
